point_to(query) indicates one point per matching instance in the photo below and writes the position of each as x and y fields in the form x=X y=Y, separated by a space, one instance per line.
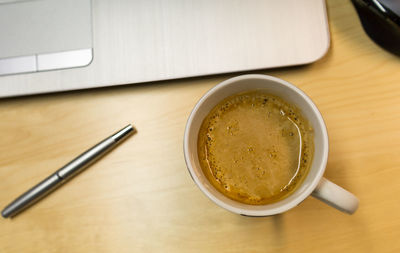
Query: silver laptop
x=59 y=45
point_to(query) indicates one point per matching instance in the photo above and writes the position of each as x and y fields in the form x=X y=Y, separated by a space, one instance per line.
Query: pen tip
x=4 y=213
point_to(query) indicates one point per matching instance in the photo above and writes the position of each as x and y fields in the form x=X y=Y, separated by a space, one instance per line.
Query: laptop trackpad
x=40 y=35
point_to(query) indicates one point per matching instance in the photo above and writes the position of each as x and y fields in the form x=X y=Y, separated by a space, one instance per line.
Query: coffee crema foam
x=255 y=148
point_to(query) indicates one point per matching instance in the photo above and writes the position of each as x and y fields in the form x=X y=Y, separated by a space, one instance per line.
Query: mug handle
x=335 y=196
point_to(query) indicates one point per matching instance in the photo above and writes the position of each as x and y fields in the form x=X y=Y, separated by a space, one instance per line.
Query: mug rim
x=267 y=211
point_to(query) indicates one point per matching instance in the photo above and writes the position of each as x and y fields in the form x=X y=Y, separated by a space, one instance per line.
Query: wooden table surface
x=140 y=197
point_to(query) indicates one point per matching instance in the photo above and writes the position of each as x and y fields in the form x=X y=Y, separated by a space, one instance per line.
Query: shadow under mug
x=314 y=184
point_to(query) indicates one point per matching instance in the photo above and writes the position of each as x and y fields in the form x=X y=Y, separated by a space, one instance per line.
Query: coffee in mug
x=255 y=147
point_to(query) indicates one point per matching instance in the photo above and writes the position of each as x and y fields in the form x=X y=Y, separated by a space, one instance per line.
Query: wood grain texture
x=140 y=198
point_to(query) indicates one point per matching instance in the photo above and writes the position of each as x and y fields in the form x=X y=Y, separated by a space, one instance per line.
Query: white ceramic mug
x=314 y=184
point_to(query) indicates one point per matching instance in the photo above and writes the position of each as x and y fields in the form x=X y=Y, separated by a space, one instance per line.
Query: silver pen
x=65 y=173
